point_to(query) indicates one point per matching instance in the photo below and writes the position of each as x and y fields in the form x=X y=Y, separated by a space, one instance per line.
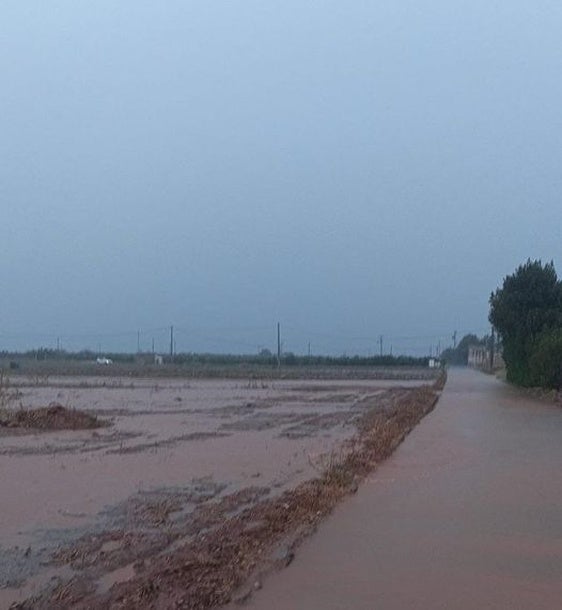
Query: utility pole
x=380 y=344
x=492 y=348
x=278 y=345
x=153 y=345
x=171 y=341
x=138 y=341
x=309 y=349
x=455 y=340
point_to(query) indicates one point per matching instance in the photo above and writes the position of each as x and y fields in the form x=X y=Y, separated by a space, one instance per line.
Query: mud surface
x=82 y=510
x=53 y=417
x=466 y=514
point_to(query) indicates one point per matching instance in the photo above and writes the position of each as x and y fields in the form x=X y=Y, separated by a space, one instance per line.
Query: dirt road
x=467 y=514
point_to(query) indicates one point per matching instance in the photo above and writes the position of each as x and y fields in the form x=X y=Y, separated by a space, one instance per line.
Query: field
x=85 y=511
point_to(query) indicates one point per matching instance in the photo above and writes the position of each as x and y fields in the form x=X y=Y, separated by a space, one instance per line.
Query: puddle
x=113 y=578
x=110 y=545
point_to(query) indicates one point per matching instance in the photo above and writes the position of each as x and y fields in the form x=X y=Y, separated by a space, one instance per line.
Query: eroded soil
x=197 y=472
x=52 y=417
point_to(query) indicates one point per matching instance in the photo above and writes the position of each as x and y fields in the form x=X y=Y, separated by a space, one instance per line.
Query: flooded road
x=466 y=514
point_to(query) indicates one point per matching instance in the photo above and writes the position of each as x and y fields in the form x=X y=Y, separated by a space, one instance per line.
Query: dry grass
x=8 y=394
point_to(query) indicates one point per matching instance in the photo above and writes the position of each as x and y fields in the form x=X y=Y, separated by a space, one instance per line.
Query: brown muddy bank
x=206 y=556
x=174 y=449
x=52 y=417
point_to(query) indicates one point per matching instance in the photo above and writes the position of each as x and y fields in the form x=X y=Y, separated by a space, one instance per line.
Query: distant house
x=479 y=357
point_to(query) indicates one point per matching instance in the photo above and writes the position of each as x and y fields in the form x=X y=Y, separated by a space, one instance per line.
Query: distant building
x=479 y=358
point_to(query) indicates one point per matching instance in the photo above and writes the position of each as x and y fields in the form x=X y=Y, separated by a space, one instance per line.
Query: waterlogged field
x=174 y=458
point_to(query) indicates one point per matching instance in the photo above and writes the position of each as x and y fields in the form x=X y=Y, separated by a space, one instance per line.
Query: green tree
x=526 y=308
x=545 y=362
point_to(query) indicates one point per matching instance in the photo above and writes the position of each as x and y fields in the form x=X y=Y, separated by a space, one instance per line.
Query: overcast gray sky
x=349 y=169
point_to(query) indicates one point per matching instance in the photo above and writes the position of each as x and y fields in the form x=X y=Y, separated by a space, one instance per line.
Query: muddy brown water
x=466 y=514
x=56 y=486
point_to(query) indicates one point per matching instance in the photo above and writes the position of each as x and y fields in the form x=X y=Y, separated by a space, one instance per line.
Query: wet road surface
x=466 y=514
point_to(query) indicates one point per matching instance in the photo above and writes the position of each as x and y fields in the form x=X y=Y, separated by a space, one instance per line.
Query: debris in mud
x=53 y=417
x=315 y=423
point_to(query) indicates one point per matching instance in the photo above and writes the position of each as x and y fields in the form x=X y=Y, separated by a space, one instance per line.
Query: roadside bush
x=545 y=363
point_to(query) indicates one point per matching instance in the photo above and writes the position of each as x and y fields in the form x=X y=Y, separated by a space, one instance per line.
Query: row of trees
x=527 y=314
x=264 y=357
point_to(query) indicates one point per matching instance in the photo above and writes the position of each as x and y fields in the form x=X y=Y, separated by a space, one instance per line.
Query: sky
x=348 y=170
